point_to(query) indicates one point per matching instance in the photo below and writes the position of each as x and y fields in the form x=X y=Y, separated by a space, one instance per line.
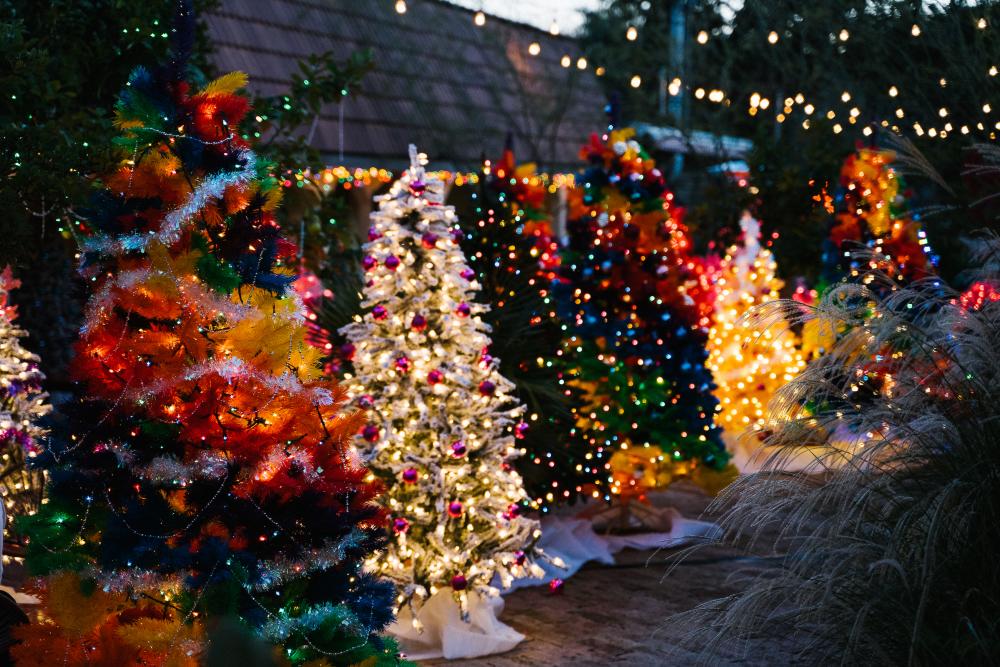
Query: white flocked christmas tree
x=749 y=363
x=22 y=404
x=442 y=420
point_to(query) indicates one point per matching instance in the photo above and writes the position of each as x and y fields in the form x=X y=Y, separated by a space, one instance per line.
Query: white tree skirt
x=446 y=635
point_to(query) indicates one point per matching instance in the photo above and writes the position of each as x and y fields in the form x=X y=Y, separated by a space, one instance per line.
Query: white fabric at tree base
x=446 y=635
x=574 y=541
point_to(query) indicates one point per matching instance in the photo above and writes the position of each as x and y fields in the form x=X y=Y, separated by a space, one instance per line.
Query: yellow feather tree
x=749 y=365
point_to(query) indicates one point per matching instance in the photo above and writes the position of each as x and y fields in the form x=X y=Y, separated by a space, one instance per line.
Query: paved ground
x=618 y=615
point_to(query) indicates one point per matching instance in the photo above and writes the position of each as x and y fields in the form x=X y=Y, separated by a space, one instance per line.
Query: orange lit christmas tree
x=207 y=472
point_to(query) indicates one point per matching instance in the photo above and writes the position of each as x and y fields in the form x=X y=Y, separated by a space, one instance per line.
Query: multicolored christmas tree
x=872 y=211
x=443 y=420
x=638 y=306
x=206 y=471
x=749 y=359
x=513 y=264
x=22 y=405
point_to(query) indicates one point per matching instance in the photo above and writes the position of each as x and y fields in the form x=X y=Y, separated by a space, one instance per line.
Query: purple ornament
x=366 y=402
x=520 y=430
x=370 y=433
x=458 y=449
x=435 y=377
x=487 y=388
x=369 y=263
x=463 y=310
x=347 y=351
x=468 y=274
x=400 y=525
x=410 y=475
x=429 y=240
x=455 y=509
x=418 y=187
x=418 y=323
x=379 y=312
x=520 y=557
x=458 y=582
x=513 y=511
x=392 y=262
x=556 y=586
x=456 y=235
x=403 y=364
x=373 y=234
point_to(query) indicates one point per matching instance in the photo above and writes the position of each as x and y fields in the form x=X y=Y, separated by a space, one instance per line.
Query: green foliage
x=285 y=123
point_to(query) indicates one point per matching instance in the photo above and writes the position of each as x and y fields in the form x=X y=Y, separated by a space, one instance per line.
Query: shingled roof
x=454 y=88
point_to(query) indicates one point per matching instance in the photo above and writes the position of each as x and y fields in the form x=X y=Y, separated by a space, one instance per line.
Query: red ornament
x=380 y=313
x=366 y=402
x=429 y=240
x=370 y=433
x=418 y=323
x=520 y=430
x=513 y=511
x=463 y=310
x=468 y=274
x=487 y=388
x=347 y=351
x=403 y=364
x=435 y=376
x=455 y=509
x=400 y=525
x=458 y=582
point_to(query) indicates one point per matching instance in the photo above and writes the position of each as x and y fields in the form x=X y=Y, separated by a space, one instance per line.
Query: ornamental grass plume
x=888 y=542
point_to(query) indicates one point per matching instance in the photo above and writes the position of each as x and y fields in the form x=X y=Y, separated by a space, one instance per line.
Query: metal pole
x=678 y=48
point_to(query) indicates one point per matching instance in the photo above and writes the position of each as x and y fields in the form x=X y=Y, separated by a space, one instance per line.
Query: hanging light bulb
x=554 y=28
x=581 y=63
x=702 y=37
x=772 y=37
x=636 y=81
x=534 y=48
x=893 y=91
x=631 y=34
x=479 y=18
x=566 y=61
x=400 y=6
x=915 y=30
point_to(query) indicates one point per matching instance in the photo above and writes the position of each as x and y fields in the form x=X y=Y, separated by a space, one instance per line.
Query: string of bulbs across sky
x=758 y=102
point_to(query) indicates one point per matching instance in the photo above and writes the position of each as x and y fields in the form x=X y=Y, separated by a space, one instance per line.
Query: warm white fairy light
x=635 y=81
x=534 y=48
x=479 y=18
x=772 y=37
x=632 y=33
x=702 y=37
x=400 y=6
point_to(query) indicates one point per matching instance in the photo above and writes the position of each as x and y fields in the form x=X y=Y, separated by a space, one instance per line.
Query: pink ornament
x=513 y=511
x=400 y=525
x=458 y=449
x=418 y=323
x=370 y=433
x=455 y=509
x=373 y=234
x=463 y=310
x=380 y=313
x=403 y=364
x=521 y=430
x=556 y=586
x=435 y=377
x=458 y=582
x=392 y=262
x=468 y=274
x=410 y=475
x=368 y=263
x=429 y=240
x=366 y=402
x=487 y=388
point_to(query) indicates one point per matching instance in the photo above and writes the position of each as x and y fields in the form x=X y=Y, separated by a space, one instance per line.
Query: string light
x=534 y=48
x=581 y=63
x=702 y=37
x=772 y=37
x=915 y=30
x=635 y=81
x=893 y=91
x=554 y=28
x=400 y=6
x=844 y=35
x=479 y=18
x=632 y=33
x=566 y=61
